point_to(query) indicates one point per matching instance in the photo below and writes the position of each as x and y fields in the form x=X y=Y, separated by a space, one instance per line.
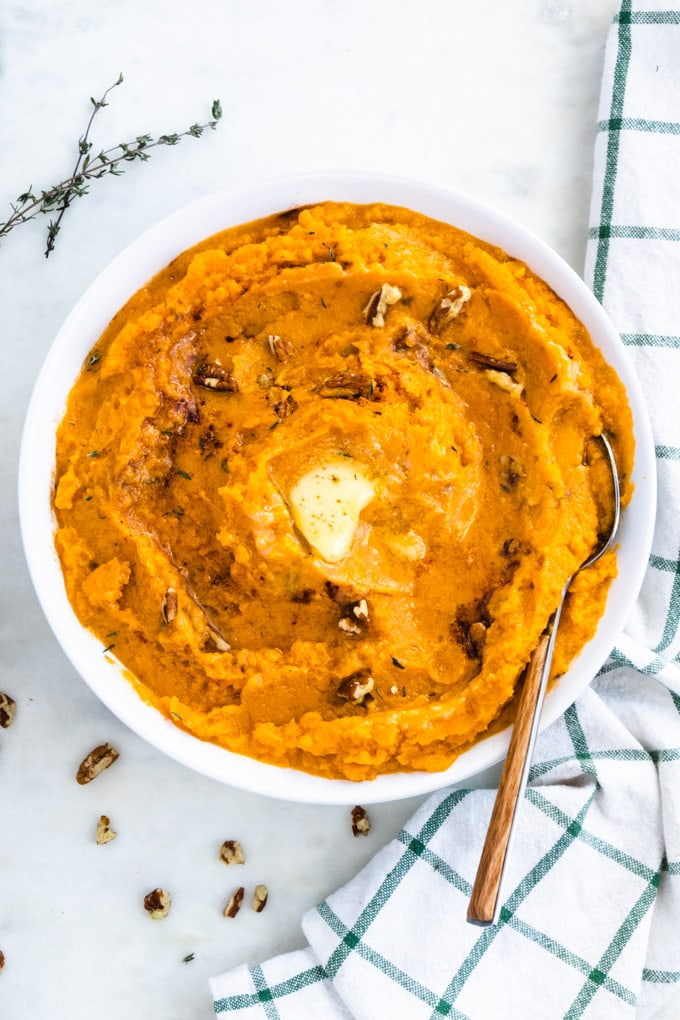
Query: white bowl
x=131 y=270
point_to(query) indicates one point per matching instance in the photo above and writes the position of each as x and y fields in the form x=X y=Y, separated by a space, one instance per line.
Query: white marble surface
x=496 y=99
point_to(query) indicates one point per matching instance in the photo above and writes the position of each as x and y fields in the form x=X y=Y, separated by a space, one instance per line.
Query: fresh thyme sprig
x=89 y=167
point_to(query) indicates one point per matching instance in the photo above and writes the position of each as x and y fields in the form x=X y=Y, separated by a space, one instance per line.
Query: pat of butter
x=326 y=504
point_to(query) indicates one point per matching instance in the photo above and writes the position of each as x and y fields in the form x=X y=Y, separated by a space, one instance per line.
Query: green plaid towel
x=591 y=923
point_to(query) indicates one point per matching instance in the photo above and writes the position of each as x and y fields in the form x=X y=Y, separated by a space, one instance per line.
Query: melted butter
x=327 y=503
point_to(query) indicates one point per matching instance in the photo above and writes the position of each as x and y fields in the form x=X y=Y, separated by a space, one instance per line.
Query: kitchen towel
x=590 y=925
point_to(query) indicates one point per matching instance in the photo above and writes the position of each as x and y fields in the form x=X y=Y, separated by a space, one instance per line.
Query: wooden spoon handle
x=484 y=900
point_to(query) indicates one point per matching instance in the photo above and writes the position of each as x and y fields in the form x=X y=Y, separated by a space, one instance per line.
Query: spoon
x=485 y=901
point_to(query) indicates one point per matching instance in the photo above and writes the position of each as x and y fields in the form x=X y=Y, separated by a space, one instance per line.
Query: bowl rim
x=136 y=264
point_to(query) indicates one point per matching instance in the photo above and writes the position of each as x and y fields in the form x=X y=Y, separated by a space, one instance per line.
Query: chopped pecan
x=8 y=707
x=348 y=626
x=487 y=361
x=349 y=385
x=234 y=905
x=157 y=904
x=477 y=636
x=100 y=758
x=169 y=605
x=280 y=348
x=231 y=852
x=449 y=307
x=284 y=408
x=2 y=959
x=260 y=897
x=354 y=617
x=379 y=302
x=361 y=823
x=217 y=638
x=359 y=609
x=104 y=831
x=504 y=381
x=356 y=687
x=215 y=377
x=470 y=627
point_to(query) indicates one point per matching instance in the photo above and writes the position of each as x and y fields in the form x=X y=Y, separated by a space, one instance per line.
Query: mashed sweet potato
x=320 y=483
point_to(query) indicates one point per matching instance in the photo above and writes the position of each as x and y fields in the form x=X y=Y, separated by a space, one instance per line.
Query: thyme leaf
x=88 y=167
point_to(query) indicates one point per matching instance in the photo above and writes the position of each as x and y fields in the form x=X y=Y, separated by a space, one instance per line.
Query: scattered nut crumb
x=2 y=960
x=260 y=898
x=361 y=824
x=8 y=707
x=95 y=762
x=104 y=831
x=157 y=904
x=378 y=303
x=231 y=852
x=356 y=687
x=234 y=905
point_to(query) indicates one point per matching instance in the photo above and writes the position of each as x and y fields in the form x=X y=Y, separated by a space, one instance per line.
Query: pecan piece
x=504 y=381
x=361 y=823
x=349 y=626
x=350 y=385
x=354 y=617
x=284 y=408
x=217 y=638
x=281 y=349
x=470 y=627
x=379 y=302
x=356 y=687
x=215 y=377
x=498 y=364
x=449 y=307
x=8 y=707
x=169 y=605
x=477 y=637
x=234 y=905
x=231 y=852
x=99 y=758
x=104 y=831
x=2 y=960
x=157 y=904
x=260 y=897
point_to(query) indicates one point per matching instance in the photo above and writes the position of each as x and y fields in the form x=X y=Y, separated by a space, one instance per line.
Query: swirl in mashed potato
x=321 y=482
